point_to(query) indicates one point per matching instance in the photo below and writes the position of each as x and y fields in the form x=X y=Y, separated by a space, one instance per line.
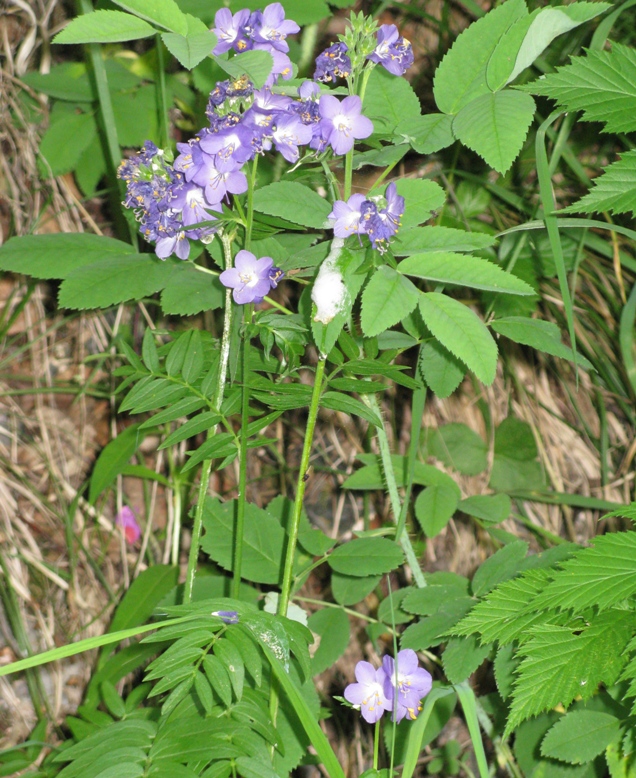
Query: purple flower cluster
x=333 y=63
x=166 y=204
x=259 y=30
x=393 y=51
x=250 y=278
x=360 y=216
x=398 y=690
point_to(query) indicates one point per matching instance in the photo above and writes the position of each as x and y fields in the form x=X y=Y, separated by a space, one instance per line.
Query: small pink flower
x=127 y=521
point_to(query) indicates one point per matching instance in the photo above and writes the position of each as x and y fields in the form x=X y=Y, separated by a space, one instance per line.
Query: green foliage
x=515 y=463
x=293 y=201
x=540 y=335
x=366 y=556
x=105 y=27
x=389 y=101
x=580 y=736
x=434 y=508
x=332 y=625
x=614 y=191
x=442 y=371
x=386 y=300
x=457 y=446
x=112 y=460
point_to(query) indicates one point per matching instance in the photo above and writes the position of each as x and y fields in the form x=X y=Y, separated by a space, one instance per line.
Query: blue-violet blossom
x=368 y=694
x=250 y=278
x=393 y=51
x=342 y=123
x=406 y=684
x=333 y=63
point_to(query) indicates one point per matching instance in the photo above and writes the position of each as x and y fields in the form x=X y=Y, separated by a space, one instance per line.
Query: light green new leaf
x=426 y=134
x=104 y=27
x=386 y=300
x=293 y=201
x=192 y=48
x=580 y=736
x=416 y=240
x=389 y=101
x=434 y=508
x=495 y=126
x=257 y=65
x=541 y=335
x=56 y=256
x=531 y=35
x=366 y=556
x=445 y=267
x=614 y=190
x=165 y=13
x=113 y=281
x=602 y=85
x=462 y=332
x=559 y=664
x=461 y=75
x=422 y=197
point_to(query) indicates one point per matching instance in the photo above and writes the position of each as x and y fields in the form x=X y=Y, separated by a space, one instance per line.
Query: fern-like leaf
x=559 y=664
x=601 y=84
x=600 y=577
x=504 y=615
x=614 y=190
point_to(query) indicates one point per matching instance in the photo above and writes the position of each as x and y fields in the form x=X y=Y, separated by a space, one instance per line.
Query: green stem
x=162 y=100
x=394 y=497
x=239 y=527
x=383 y=175
x=207 y=464
x=176 y=529
x=285 y=592
x=348 y=174
x=364 y=81
x=376 y=744
x=250 y=203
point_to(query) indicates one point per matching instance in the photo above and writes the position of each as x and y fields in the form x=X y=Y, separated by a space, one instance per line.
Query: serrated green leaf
x=580 y=736
x=366 y=556
x=291 y=200
x=332 y=624
x=104 y=27
x=461 y=75
x=431 y=631
x=434 y=597
x=489 y=508
x=441 y=371
x=62 y=157
x=165 y=13
x=263 y=540
x=558 y=664
x=200 y=423
x=434 y=508
x=422 y=197
x=614 y=190
x=462 y=332
x=541 y=335
x=495 y=126
x=462 y=270
x=602 y=85
x=232 y=660
x=189 y=292
x=386 y=300
x=192 y=48
x=351 y=589
x=257 y=65
x=218 y=677
x=601 y=576
x=113 y=281
x=342 y=402
x=389 y=100
x=415 y=240
x=426 y=134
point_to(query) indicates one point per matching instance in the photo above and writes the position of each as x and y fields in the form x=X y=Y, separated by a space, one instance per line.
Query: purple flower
x=231 y=31
x=309 y=90
x=282 y=64
x=250 y=278
x=393 y=51
x=218 y=179
x=368 y=694
x=128 y=523
x=271 y=27
x=381 y=225
x=406 y=686
x=290 y=132
x=229 y=617
x=333 y=63
x=347 y=216
x=343 y=123
x=232 y=147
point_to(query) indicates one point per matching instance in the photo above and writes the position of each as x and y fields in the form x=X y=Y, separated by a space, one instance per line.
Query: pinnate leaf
x=422 y=197
x=601 y=84
x=495 y=126
x=449 y=268
x=415 y=240
x=386 y=300
x=541 y=335
x=434 y=508
x=462 y=332
x=389 y=101
x=291 y=200
x=461 y=75
x=105 y=27
x=442 y=371
x=426 y=134
x=614 y=190
x=165 y=13
x=192 y=48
